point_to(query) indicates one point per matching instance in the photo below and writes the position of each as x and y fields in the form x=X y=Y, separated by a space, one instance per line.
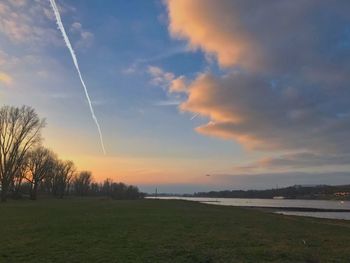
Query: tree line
x=290 y=192
x=27 y=168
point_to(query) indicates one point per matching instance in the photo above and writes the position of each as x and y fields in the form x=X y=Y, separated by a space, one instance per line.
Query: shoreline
x=297 y=209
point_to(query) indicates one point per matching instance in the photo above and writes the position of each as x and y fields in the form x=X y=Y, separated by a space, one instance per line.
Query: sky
x=253 y=93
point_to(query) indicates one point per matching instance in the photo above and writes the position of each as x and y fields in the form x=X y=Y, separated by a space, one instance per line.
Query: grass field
x=99 y=230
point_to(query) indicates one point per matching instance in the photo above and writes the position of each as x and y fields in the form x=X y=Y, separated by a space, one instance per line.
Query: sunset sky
x=254 y=93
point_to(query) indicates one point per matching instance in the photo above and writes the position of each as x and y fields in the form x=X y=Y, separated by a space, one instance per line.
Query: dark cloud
x=247 y=108
x=298 y=160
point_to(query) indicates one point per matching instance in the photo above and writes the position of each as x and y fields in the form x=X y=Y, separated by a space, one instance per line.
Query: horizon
x=255 y=100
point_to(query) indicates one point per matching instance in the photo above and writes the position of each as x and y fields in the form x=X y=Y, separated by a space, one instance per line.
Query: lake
x=280 y=203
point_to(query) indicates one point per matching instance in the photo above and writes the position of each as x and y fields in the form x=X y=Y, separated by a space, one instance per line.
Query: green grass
x=99 y=230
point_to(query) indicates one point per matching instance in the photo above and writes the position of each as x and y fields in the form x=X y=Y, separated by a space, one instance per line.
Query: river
x=281 y=203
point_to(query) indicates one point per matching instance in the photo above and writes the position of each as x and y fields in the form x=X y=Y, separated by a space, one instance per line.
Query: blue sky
x=258 y=84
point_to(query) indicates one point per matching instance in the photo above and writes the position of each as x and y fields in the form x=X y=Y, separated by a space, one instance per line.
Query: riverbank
x=101 y=230
x=331 y=209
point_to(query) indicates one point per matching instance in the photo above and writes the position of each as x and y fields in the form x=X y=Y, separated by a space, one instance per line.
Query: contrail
x=75 y=61
x=194 y=116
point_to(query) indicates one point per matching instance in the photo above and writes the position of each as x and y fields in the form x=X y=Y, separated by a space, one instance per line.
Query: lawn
x=102 y=230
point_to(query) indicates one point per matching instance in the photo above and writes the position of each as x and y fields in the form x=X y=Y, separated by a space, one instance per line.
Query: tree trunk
x=33 y=191
x=4 y=193
x=61 y=194
x=16 y=191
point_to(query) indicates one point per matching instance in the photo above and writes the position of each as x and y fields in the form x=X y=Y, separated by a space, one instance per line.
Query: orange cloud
x=167 y=80
x=211 y=26
x=178 y=85
x=205 y=98
x=219 y=130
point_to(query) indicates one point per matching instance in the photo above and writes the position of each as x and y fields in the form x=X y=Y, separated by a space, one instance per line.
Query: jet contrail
x=194 y=116
x=75 y=61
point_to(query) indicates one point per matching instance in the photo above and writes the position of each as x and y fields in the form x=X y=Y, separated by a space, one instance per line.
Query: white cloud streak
x=75 y=61
x=194 y=116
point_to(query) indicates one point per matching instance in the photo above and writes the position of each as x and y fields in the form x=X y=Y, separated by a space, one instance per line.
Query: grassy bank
x=97 y=230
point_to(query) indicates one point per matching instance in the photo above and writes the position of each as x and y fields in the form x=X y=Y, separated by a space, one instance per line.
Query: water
x=319 y=204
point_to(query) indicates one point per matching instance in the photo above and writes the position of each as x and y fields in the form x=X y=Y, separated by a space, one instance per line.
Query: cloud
x=247 y=108
x=18 y=2
x=5 y=78
x=260 y=34
x=6 y=60
x=173 y=85
x=160 y=77
x=167 y=103
x=31 y=23
x=24 y=23
x=178 y=84
x=130 y=70
x=85 y=38
x=76 y=27
x=296 y=161
x=284 y=89
x=210 y=26
x=26 y=64
x=166 y=80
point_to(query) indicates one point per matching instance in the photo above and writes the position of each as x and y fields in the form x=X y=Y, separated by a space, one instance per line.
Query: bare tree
x=82 y=182
x=19 y=131
x=18 y=178
x=40 y=164
x=106 y=187
x=62 y=176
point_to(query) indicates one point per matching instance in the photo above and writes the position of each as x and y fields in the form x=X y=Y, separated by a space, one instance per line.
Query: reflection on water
x=320 y=204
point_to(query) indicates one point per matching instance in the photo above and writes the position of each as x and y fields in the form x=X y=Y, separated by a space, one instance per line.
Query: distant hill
x=339 y=192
